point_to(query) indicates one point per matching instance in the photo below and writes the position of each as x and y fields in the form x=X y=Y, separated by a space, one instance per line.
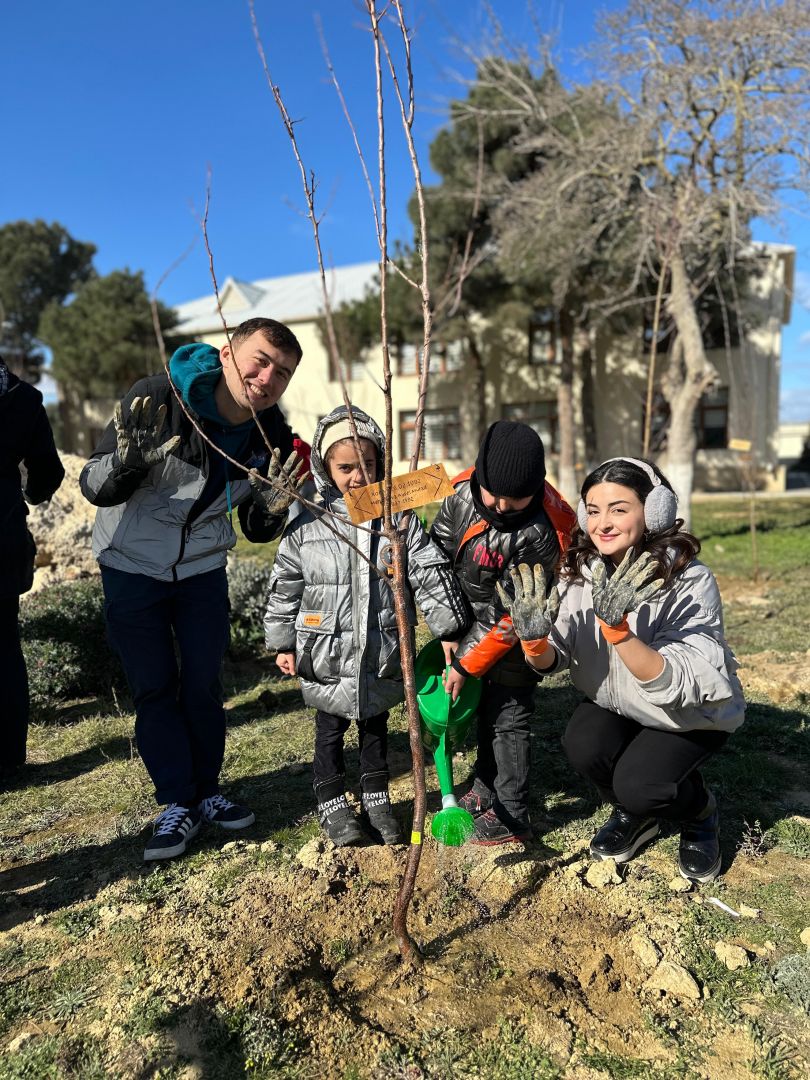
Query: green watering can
x=444 y=724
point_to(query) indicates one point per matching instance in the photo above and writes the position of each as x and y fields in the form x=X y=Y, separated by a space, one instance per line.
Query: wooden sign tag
x=408 y=490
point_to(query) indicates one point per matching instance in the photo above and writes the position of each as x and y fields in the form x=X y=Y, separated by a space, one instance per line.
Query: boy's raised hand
x=275 y=494
x=630 y=585
x=138 y=437
x=533 y=614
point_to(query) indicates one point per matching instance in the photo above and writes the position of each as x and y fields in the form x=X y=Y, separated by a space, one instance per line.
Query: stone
x=804 y=937
x=674 y=980
x=733 y=956
x=750 y=912
x=62 y=529
x=231 y=846
x=270 y=847
x=16 y=1045
x=646 y=950
x=680 y=885
x=601 y=874
x=316 y=854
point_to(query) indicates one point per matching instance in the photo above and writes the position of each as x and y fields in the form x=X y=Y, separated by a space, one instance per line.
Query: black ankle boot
x=377 y=815
x=622 y=835
x=337 y=818
x=699 y=856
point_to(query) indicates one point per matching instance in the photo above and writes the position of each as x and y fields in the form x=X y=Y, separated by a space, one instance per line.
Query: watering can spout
x=444 y=724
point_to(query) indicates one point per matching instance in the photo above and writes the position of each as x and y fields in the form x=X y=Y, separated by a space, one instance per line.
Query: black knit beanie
x=511 y=461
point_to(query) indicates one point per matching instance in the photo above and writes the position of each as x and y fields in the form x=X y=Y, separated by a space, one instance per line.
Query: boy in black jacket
x=161 y=537
x=503 y=513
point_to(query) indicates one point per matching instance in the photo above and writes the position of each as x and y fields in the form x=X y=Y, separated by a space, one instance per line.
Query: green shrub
x=65 y=645
x=247 y=588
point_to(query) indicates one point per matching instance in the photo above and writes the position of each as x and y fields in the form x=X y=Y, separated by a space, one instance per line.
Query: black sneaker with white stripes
x=173 y=830
x=217 y=810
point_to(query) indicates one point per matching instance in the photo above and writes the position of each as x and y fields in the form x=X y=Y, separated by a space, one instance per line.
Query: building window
x=711 y=420
x=543 y=344
x=405 y=358
x=441 y=434
x=540 y=415
x=352 y=369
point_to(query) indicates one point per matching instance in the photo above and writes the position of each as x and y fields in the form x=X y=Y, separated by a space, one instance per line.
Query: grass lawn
x=262 y=955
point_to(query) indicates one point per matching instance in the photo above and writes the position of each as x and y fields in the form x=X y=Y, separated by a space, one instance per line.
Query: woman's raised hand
x=629 y=586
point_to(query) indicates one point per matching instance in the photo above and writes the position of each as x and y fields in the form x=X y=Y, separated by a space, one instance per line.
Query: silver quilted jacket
x=327 y=605
x=698 y=688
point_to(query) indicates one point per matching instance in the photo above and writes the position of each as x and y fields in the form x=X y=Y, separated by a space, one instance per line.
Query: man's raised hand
x=138 y=437
x=630 y=585
x=533 y=614
x=283 y=482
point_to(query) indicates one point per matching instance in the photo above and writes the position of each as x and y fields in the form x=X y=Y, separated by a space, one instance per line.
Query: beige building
x=744 y=405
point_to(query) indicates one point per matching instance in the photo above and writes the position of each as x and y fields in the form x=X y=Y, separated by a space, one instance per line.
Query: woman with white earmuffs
x=638 y=621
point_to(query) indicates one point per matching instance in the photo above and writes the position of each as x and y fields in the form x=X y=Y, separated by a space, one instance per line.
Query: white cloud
x=801 y=289
x=794 y=405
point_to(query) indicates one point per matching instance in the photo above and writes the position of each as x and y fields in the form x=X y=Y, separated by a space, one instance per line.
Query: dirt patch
x=781 y=676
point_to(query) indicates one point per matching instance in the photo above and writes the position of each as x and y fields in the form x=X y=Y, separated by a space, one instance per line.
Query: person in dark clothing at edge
x=162 y=534
x=503 y=513
x=25 y=437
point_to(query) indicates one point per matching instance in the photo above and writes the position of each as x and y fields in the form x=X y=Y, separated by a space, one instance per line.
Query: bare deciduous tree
x=707 y=127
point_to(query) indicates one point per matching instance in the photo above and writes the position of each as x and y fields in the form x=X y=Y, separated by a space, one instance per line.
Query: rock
x=62 y=529
x=231 y=846
x=804 y=937
x=16 y=1045
x=601 y=874
x=270 y=847
x=674 y=980
x=646 y=950
x=733 y=956
x=750 y=912
x=316 y=855
x=680 y=885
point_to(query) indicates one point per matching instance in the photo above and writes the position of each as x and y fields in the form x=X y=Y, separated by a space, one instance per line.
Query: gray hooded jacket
x=698 y=688
x=327 y=606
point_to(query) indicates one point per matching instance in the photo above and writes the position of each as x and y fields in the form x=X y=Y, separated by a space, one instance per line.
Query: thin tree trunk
x=479 y=387
x=586 y=362
x=688 y=376
x=566 y=474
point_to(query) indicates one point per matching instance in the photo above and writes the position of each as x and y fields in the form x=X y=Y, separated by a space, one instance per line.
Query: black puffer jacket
x=482 y=554
x=25 y=438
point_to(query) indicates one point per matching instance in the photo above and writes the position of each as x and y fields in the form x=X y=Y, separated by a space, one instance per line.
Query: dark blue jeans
x=504 y=749
x=14 y=724
x=179 y=718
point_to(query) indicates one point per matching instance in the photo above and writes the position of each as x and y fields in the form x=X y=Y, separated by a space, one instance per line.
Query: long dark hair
x=671 y=549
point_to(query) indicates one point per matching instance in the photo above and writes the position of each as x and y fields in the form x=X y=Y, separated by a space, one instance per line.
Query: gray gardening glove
x=138 y=437
x=532 y=614
x=284 y=482
x=629 y=586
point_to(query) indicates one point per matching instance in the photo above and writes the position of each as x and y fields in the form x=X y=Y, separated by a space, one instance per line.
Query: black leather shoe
x=622 y=835
x=699 y=856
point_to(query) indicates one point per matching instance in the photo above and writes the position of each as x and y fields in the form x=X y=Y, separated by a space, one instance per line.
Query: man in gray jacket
x=162 y=534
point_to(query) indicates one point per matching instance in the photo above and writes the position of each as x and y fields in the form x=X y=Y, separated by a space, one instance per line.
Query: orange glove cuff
x=535 y=648
x=615 y=635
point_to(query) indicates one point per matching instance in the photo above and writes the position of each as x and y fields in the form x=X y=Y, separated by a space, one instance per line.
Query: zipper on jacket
x=185 y=534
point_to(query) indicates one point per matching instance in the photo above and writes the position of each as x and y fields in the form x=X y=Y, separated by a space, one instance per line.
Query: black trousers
x=179 y=718
x=14 y=679
x=651 y=772
x=504 y=749
x=372 y=737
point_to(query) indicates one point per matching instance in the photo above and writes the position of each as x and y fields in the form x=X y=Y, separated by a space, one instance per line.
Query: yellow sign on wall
x=739 y=444
x=407 y=491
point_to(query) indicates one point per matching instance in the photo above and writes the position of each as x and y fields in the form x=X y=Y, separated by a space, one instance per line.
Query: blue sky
x=111 y=113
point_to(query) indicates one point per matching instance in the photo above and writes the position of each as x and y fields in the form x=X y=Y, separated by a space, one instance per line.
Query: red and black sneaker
x=475 y=803
x=490 y=830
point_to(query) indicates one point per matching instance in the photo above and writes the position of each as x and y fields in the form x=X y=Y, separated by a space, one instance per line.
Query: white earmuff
x=660 y=506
